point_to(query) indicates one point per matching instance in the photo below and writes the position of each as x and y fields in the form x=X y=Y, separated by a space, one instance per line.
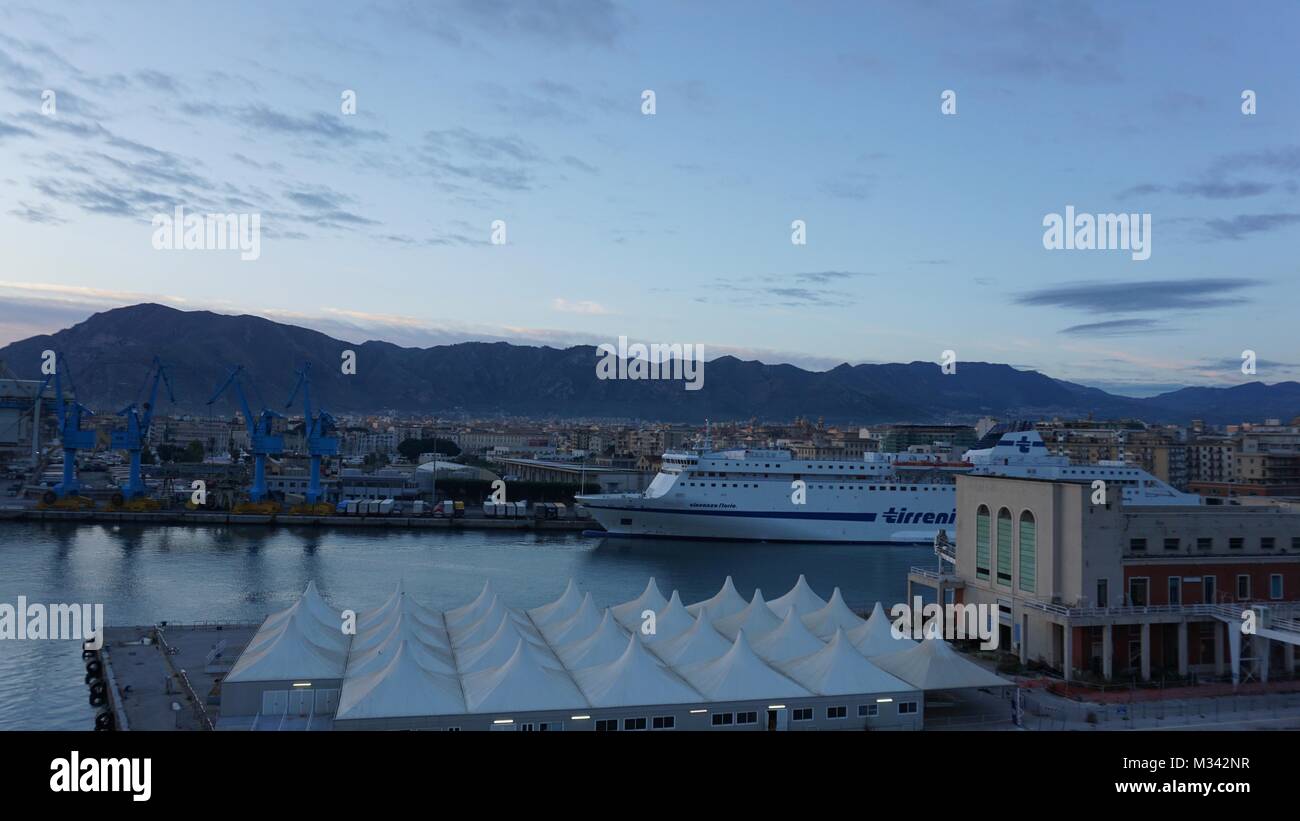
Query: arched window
x=1004 y=547
x=982 y=543
x=1028 y=551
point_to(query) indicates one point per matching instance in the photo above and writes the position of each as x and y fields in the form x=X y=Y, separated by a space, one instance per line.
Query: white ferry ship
x=886 y=498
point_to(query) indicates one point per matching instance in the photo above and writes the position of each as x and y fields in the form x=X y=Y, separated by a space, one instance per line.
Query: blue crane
x=71 y=437
x=136 y=434
x=261 y=441
x=317 y=431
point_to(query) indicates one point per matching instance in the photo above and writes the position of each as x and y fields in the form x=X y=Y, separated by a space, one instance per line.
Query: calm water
x=143 y=574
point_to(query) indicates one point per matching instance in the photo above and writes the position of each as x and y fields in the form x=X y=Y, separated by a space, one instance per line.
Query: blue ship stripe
x=751 y=514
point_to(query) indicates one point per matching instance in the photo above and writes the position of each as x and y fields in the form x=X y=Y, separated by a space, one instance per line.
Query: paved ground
x=149 y=679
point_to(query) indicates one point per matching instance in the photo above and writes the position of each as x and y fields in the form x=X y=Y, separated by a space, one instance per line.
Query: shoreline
x=206 y=518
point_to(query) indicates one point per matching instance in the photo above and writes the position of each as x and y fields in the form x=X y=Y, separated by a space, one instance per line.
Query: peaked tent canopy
x=402 y=688
x=801 y=597
x=757 y=619
x=473 y=611
x=838 y=669
x=498 y=648
x=671 y=621
x=578 y=626
x=740 y=675
x=875 y=637
x=629 y=613
x=723 y=603
x=834 y=615
x=634 y=678
x=289 y=651
x=601 y=647
x=789 y=641
x=433 y=659
x=563 y=607
x=702 y=642
x=522 y=683
x=933 y=665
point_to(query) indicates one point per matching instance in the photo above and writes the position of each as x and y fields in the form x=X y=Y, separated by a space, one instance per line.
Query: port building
x=797 y=662
x=1098 y=590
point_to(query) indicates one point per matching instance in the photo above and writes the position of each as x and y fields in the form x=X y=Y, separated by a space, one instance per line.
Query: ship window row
x=905 y=488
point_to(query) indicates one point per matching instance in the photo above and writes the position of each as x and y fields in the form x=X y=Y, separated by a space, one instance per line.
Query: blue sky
x=924 y=230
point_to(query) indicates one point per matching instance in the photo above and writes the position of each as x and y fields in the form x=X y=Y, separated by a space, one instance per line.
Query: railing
x=200 y=712
x=1224 y=611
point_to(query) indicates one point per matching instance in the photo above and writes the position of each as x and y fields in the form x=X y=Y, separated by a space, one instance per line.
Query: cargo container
x=386 y=507
x=418 y=508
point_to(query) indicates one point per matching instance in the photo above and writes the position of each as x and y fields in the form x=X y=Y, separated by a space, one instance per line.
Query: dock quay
x=222 y=519
x=166 y=676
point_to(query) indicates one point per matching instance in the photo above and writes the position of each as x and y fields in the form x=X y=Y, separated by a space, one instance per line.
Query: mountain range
x=109 y=353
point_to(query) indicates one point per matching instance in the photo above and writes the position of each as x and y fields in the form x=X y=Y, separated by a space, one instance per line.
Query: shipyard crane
x=136 y=434
x=261 y=441
x=317 y=431
x=71 y=437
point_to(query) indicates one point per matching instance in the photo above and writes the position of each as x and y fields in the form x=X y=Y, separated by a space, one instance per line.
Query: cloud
x=7 y=131
x=560 y=23
x=1241 y=226
x=37 y=213
x=1141 y=296
x=1213 y=190
x=1119 y=327
x=795 y=290
x=584 y=306
x=319 y=127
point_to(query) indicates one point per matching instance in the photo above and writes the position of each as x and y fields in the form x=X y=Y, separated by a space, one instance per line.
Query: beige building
x=1102 y=589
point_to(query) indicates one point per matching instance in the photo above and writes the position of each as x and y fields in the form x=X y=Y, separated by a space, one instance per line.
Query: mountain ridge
x=109 y=352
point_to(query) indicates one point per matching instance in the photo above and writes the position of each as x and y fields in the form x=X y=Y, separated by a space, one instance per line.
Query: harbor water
x=143 y=574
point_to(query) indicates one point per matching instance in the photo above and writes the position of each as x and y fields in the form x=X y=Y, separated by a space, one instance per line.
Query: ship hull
x=906 y=521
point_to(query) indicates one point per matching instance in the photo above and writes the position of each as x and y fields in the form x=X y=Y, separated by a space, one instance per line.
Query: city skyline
x=924 y=229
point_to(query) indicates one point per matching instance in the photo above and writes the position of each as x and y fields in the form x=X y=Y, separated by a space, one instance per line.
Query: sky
x=924 y=229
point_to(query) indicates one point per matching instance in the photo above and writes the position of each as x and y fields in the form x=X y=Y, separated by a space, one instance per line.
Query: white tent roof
x=288 y=652
x=473 y=611
x=499 y=647
x=757 y=619
x=315 y=619
x=322 y=611
x=874 y=637
x=839 y=669
x=700 y=643
x=563 y=607
x=376 y=657
x=399 y=601
x=723 y=603
x=578 y=626
x=740 y=675
x=402 y=688
x=834 y=615
x=789 y=641
x=671 y=621
x=933 y=665
x=801 y=597
x=522 y=683
x=601 y=647
x=629 y=613
x=634 y=678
